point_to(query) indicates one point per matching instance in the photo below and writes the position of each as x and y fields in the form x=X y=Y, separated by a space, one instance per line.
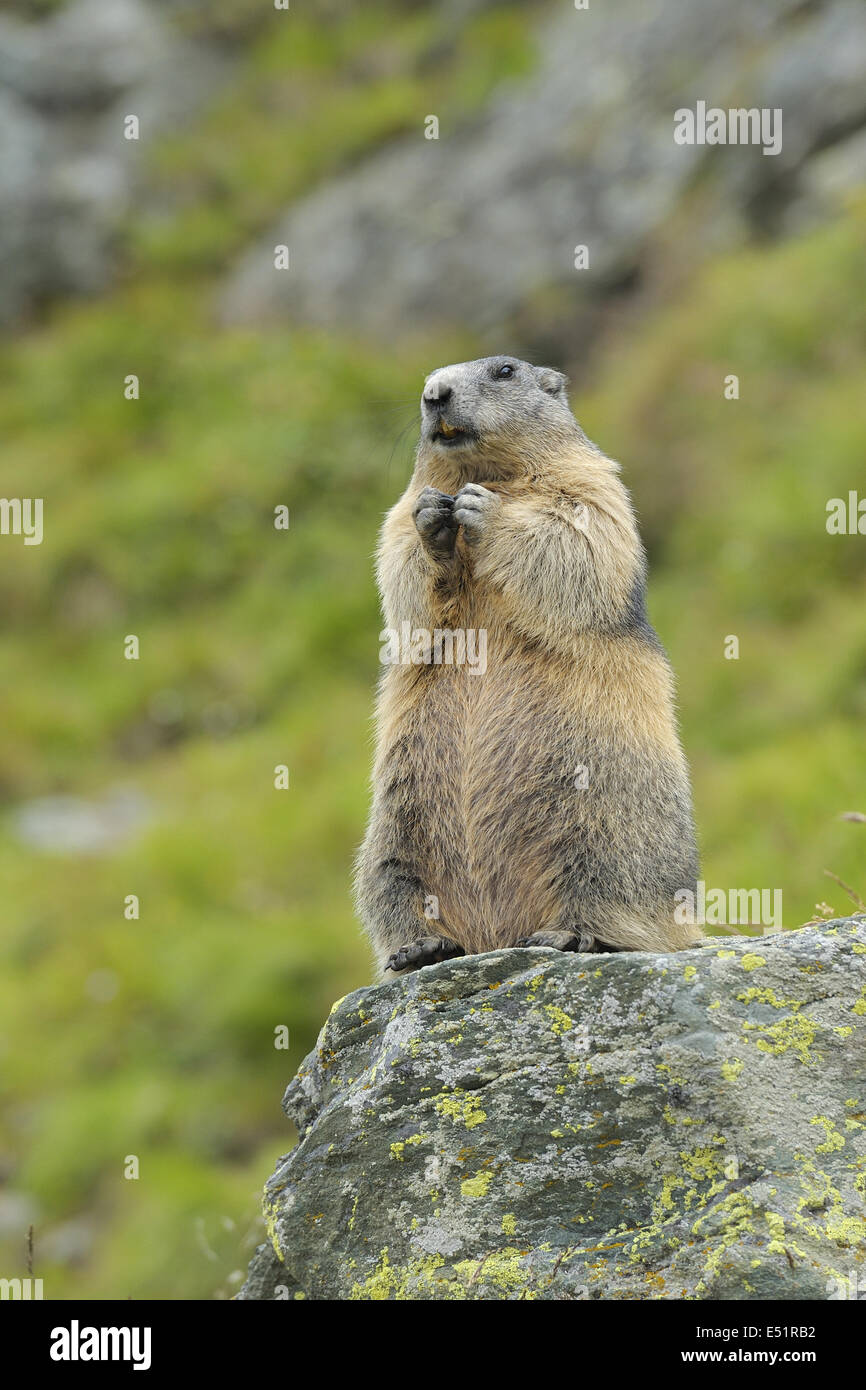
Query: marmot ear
x=554 y=383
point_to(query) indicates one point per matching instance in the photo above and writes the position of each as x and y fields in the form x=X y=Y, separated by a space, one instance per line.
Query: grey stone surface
x=533 y=1125
x=475 y=227
x=67 y=175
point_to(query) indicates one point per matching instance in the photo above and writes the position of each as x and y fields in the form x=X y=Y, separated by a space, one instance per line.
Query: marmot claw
x=582 y=941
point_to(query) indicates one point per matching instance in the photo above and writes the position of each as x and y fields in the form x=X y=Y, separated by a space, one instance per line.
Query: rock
x=67 y=175
x=479 y=227
x=528 y=1124
x=73 y=825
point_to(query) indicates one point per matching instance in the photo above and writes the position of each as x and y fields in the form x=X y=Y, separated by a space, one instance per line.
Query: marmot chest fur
x=529 y=785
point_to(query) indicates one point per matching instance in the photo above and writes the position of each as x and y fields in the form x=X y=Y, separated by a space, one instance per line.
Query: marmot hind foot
x=581 y=940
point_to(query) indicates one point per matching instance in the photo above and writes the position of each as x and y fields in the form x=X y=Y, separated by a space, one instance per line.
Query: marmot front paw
x=433 y=514
x=474 y=508
x=426 y=950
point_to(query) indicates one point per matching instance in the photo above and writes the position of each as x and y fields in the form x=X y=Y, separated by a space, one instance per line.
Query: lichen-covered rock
x=528 y=1124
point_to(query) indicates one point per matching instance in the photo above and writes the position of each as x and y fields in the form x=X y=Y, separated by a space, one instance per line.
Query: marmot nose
x=436 y=394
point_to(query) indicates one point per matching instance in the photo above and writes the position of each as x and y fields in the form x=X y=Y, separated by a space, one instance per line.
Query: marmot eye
x=504 y=371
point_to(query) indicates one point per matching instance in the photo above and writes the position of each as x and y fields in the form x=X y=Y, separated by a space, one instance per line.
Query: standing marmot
x=543 y=800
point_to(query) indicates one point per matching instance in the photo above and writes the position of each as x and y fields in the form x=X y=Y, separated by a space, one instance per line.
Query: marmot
x=545 y=800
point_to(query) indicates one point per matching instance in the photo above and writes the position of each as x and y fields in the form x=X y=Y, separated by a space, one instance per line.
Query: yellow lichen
x=502 y=1268
x=398 y=1149
x=461 y=1108
x=702 y=1163
x=752 y=962
x=767 y=996
x=731 y=1070
x=271 y=1228
x=354 y=1209
x=795 y=1034
x=561 y=1022
x=834 y=1139
x=477 y=1186
x=390 y=1282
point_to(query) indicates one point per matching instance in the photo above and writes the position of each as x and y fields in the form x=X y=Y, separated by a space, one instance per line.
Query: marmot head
x=496 y=412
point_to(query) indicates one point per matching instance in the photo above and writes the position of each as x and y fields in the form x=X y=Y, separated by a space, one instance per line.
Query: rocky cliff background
x=155 y=1036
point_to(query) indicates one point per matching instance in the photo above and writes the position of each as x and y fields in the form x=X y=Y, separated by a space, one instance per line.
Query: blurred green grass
x=259 y=647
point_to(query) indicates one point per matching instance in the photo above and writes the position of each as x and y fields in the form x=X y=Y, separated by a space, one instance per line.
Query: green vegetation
x=259 y=647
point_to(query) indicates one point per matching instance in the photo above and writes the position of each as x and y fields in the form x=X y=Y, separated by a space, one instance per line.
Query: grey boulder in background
x=480 y=226
x=67 y=174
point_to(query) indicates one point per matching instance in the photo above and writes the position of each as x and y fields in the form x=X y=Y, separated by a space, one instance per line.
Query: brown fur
x=474 y=796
